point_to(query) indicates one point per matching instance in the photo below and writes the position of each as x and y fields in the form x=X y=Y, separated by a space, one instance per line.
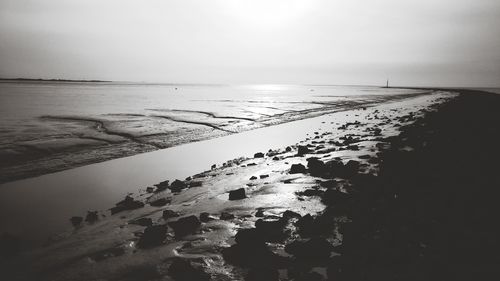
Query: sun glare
x=267 y=13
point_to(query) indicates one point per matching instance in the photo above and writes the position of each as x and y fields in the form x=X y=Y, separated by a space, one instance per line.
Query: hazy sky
x=420 y=42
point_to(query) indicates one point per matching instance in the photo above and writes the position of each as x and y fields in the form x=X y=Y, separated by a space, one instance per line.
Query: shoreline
x=112 y=144
x=262 y=189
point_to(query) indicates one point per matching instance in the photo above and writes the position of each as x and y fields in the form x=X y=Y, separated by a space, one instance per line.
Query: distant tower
x=387 y=83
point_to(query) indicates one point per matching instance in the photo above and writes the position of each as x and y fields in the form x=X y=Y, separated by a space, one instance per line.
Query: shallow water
x=47 y=127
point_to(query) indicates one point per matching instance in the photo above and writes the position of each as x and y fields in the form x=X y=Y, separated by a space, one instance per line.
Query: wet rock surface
x=391 y=208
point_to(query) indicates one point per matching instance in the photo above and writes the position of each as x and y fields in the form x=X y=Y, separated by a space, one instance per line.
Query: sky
x=412 y=43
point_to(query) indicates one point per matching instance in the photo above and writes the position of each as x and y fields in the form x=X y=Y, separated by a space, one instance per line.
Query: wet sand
x=300 y=215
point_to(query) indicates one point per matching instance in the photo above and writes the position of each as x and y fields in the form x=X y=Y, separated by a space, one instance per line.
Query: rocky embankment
x=403 y=191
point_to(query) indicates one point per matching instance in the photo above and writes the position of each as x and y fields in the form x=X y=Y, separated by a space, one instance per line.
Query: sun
x=267 y=13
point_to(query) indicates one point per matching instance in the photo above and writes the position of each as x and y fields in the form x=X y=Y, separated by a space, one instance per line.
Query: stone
x=91 y=216
x=183 y=270
x=205 y=217
x=297 y=169
x=315 y=248
x=237 y=194
x=177 y=186
x=258 y=155
x=288 y=149
x=153 y=235
x=226 y=216
x=264 y=176
x=76 y=221
x=253 y=178
x=159 y=202
x=127 y=204
x=303 y=150
x=169 y=214
x=142 y=221
x=185 y=226
x=162 y=186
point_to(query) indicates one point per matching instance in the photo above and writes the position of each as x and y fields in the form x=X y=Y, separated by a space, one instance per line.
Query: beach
x=372 y=193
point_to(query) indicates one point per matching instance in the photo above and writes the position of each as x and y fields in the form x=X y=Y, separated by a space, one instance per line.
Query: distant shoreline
x=49 y=80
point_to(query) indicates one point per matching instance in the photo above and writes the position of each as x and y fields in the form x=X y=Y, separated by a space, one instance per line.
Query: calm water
x=63 y=123
x=48 y=127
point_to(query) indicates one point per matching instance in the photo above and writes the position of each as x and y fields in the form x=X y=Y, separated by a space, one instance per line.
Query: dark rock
x=91 y=216
x=288 y=149
x=259 y=213
x=76 y=221
x=271 y=231
x=213 y=167
x=159 y=202
x=127 y=204
x=253 y=178
x=258 y=155
x=276 y=158
x=183 y=270
x=195 y=184
x=226 y=216
x=351 y=168
x=237 y=194
x=264 y=176
x=287 y=215
x=205 y=217
x=169 y=214
x=150 y=189
x=263 y=274
x=177 y=186
x=334 y=197
x=329 y=184
x=249 y=237
x=297 y=169
x=251 y=164
x=153 y=235
x=310 y=192
x=317 y=167
x=303 y=150
x=185 y=226
x=314 y=249
x=162 y=185
x=142 y=222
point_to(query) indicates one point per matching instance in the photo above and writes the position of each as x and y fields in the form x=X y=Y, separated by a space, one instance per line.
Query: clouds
x=272 y=41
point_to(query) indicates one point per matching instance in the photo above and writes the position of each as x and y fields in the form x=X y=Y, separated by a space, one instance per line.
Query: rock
x=351 y=168
x=329 y=184
x=213 y=167
x=177 y=186
x=153 y=235
x=205 y=217
x=287 y=215
x=264 y=176
x=259 y=213
x=237 y=194
x=310 y=192
x=249 y=237
x=253 y=178
x=107 y=253
x=226 y=216
x=297 y=169
x=302 y=150
x=91 y=216
x=276 y=158
x=185 y=226
x=195 y=184
x=183 y=270
x=150 y=189
x=142 y=222
x=159 y=202
x=288 y=149
x=258 y=155
x=315 y=248
x=162 y=185
x=76 y=221
x=169 y=214
x=271 y=231
x=263 y=274
x=317 y=168
x=335 y=197
x=127 y=204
